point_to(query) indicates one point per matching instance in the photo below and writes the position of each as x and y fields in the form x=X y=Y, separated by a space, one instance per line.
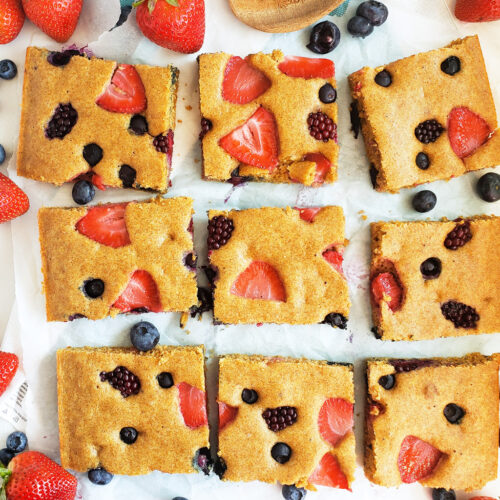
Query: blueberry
x=383 y=78
x=93 y=288
x=387 y=382
x=375 y=12
x=424 y=201
x=281 y=452
x=179 y=498
x=165 y=380
x=190 y=261
x=8 y=69
x=127 y=175
x=92 y=153
x=291 y=492
x=6 y=456
x=128 y=435
x=488 y=187
x=453 y=413
x=249 y=396
x=442 y=494
x=144 y=336
x=336 y=320
x=431 y=268
x=17 y=442
x=83 y=192
x=325 y=36
x=327 y=94
x=138 y=125
x=422 y=161
x=451 y=65
x=61 y=58
x=359 y=26
x=99 y=476
x=2 y=154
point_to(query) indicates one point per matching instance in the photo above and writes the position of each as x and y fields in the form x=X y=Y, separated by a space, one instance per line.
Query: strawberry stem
x=4 y=475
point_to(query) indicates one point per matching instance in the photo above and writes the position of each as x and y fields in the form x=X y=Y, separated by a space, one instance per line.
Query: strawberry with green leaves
x=178 y=25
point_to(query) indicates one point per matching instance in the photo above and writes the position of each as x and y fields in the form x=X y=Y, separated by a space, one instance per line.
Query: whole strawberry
x=474 y=11
x=11 y=20
x=177 y=25
x=8 y=368
x=57 y=18
x=13 y=201
x=34 y=476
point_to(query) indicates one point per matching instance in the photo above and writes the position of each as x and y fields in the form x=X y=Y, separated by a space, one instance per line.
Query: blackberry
x=128 y=435
x=280 y=418
x=62 y=121
x=408 y=365
x=220 y=229
x=387 y=382
x=123 y=380
x=453 y=413
x=336 y=320
x=461 y=315
x=428 y=131
x=321 y=126
x=164 y=143
x=459 y=236
x=451 y=65
x=206 y=126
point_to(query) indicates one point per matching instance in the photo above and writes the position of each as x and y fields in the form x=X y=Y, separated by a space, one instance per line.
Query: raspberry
x=462 y=315
x=163 y=143
x=206 y=126
x=220 y=229
x=428 y=131
x=62 y=121
x=459 y=236
x=321 y=126
x=123 y=380
x=280 y=418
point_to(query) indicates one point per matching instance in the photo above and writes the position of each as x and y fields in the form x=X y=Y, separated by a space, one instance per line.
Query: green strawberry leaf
x=137 y=3
x=4 y=476
x=173 y=3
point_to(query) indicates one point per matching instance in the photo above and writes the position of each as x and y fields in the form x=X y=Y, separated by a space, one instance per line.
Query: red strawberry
x=141 y=293
x=329 y=473
x=473 y=11
x=323 y=166
x=335 y=420
x=125 y=93
x=13 y=201
x=255 y=142
x=8 y=368
x=483 y=498
x=334 y=257
x=242 y=82
x=34 y=476
x=386 y=288
x=11 y=20
x=417 y=459
x=227 y=414
x=174 y=24
x=57 y=18
x=259 y=281
x=106 y=225
x=307 y=67
x=97 y=182
x=193 y=405
x=308 y=214
x=466 y=131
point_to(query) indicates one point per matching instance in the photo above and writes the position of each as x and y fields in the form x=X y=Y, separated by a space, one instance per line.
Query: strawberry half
x=13 y=200
x=307 y=67
x=333 y=255
x=329 y=473
x=417 y=459
x=335 y=419
x=385 y=288
x=473 y=11
x=33 y=475
x=466 y=131
x=308 y=214
x=125 y=93
x=9 y=363
x=255 y=142
x=141 y=293
x=106 y=225
x=259 y=281
x=242 y=82
x=193 y=405
x=227 y=414
x=323 y=166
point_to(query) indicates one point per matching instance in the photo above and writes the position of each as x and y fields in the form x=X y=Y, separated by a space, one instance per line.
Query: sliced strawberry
x=259 y=281
x=466 y=131
x=97 y=182
x=308 y=214
x=323 y=166
x=141 y=293
x=243 y=82
x=473 y=11
x=307 y=67
x=333 y=255
x=193 y=405
x=125 y=93
x=329 y=473
x=255 y=142
x=386 y=288
x=227 y=414
x=417 y=459
x=335 y=420
x=106 y=225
